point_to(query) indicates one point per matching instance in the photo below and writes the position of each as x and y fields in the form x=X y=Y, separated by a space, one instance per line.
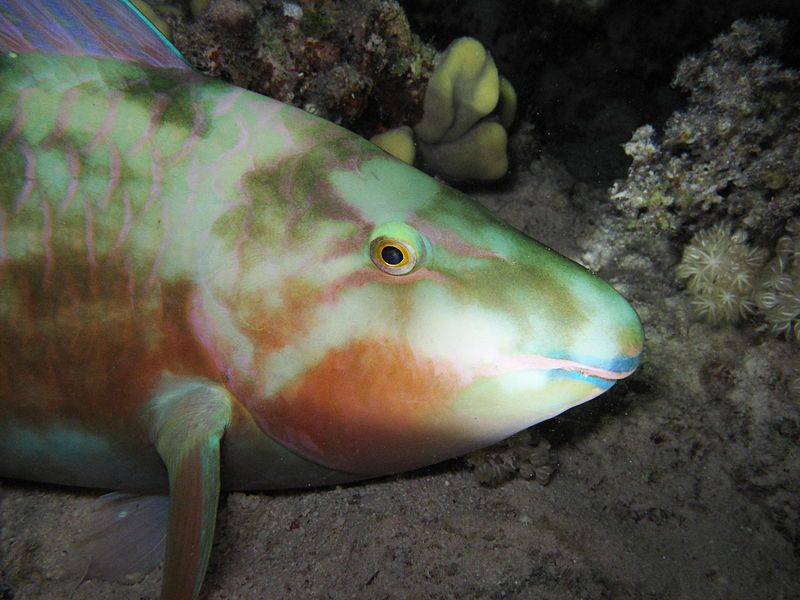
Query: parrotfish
x=202 y=288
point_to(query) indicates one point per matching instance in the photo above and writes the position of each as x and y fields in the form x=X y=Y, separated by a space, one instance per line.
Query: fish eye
x=393 y=256
x=397 y=249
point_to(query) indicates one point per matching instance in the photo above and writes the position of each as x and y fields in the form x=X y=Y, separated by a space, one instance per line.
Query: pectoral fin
x=190 y=417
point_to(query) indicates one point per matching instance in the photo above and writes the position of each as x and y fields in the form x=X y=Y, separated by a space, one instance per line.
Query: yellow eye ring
x=393 y=256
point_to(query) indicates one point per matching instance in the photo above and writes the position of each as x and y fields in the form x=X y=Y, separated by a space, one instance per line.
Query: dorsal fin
x=110 y=28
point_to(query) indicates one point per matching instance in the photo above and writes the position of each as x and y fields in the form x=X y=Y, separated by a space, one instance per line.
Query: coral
x=458 y=136
x=721 y=271
x=526 y=455
x=359 y=65
x=728 y=279
x=778 y=297
x=354 y=63
x=733 y=154
x=230 y=15
x=732 y=157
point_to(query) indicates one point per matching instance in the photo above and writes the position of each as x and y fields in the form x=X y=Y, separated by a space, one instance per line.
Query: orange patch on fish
x=92 y=354
x=273 y=327
x=370 y=407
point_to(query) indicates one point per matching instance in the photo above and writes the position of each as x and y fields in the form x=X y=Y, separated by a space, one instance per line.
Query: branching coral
x=721 y=271
x=733 y=153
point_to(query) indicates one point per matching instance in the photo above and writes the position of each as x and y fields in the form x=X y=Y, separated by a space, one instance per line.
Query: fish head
x=397 y=323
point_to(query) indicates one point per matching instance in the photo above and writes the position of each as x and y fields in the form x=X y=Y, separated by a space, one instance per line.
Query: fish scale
x=123 y=164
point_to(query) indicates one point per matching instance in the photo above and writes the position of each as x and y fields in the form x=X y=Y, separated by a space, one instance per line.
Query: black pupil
x=392 y=255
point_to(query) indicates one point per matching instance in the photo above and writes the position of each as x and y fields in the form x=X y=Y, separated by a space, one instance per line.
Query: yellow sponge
x=467 y=109
x=399 y=142
x=479 y=154
x=463 y=89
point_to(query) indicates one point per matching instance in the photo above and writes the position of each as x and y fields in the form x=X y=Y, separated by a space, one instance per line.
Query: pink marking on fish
x=203 y=329
x=244 y=138
x=74 y=166
x=159 y=106
x=30 y=178
x=19 y=119
x=194 y=177
x=450 y=241
x=198 y=127
x=369 y=275
x=126 y=224
x=114 y=99
x=266 y=112
x=62 y=118
x=277 y=125
x=268 y=119
x=152 y=278
x=226 y=103
x=47 y=240
x=156 y=179
x=354 y=164
x=241 y=144
x=114 y=171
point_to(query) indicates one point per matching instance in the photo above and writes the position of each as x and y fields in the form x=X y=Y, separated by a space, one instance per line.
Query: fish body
x=104 y=280
x=201 y=287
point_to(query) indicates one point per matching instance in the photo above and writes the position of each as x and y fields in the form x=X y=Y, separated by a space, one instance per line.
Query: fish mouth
x=609 y=375
x=615 y=370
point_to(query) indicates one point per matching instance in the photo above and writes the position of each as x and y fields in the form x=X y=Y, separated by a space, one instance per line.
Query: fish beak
x=517 y=392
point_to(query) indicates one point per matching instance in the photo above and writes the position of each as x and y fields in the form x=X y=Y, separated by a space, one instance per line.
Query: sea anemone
x=721 y=272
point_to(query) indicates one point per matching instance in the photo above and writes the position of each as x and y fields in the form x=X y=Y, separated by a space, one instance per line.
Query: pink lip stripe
x=510 y=364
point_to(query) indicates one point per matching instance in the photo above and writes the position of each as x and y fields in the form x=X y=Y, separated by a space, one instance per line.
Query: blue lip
x=618 y=364
x=623 y=364
x=604 y=384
